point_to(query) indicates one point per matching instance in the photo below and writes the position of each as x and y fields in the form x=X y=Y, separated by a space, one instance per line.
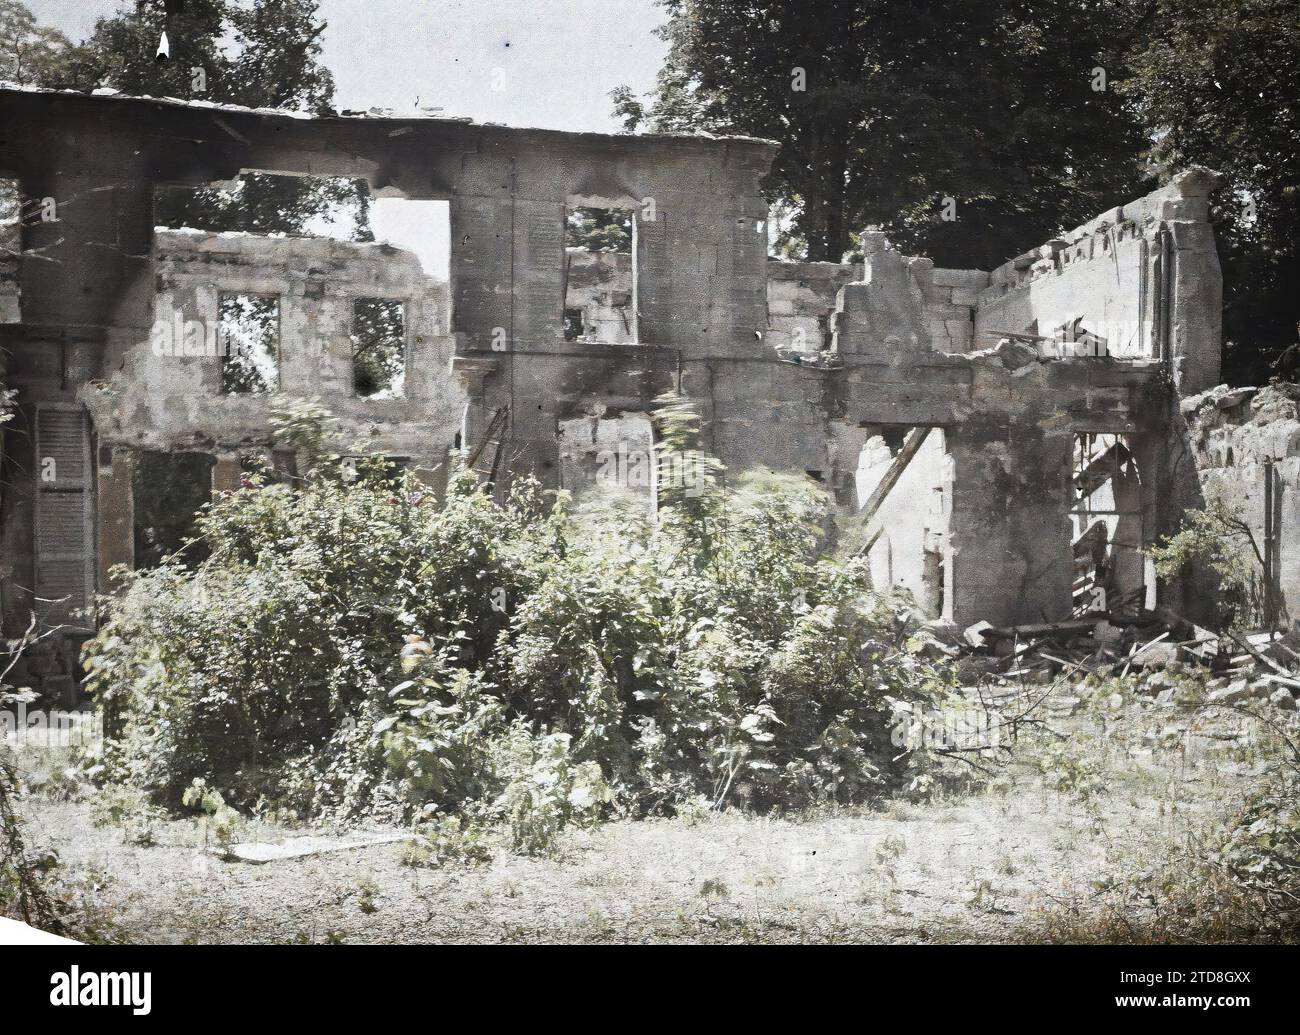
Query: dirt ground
x=1043 y=840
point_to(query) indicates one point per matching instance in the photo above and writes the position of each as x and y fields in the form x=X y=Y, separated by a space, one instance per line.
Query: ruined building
x=1011 y=440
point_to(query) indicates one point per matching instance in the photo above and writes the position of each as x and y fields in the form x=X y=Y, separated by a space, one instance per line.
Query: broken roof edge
x=397 y=121
x=1196 y=183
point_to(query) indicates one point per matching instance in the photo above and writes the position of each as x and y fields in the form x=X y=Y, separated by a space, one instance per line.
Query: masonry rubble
x=1080 y=348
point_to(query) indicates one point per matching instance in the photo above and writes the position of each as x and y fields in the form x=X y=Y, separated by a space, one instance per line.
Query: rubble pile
x=1159 y=649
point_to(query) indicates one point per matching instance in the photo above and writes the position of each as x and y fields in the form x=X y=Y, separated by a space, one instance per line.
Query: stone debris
x=1169 y=654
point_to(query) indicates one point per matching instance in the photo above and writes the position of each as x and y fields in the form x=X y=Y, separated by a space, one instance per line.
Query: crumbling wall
x=951 y=297
x=1234 y=432
x=1009 y=416
x=801 y=302
x=905 y=337
x=165 y=393
x=1143 y=277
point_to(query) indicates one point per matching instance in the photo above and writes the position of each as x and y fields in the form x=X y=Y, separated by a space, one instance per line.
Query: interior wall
x=1144 y=276
x=609 y=456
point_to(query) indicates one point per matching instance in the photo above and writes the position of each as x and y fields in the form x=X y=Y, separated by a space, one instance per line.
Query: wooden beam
x=911 y=446
x=495 y=426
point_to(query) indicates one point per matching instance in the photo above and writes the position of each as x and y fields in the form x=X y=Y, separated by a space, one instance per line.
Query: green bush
x=1261 y=848
x=351 y=645
x=1218 y=540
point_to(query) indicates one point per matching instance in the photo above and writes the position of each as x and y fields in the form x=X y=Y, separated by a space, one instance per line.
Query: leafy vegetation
x=29 y=53
x=1218 y=540
x=1218 y=85
x=598 y=230
x=883 y=110
x=23 y=874
x=352 y=645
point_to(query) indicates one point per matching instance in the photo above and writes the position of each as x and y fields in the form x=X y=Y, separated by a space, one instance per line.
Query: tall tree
x=259 y=54
x=1219 y=85
x=263 y=54
x=899 y=114
x=30 y=54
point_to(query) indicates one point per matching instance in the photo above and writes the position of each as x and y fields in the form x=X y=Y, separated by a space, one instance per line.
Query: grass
x=1099 y=837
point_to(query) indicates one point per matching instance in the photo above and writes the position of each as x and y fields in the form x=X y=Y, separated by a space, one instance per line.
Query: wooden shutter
x=65 y=554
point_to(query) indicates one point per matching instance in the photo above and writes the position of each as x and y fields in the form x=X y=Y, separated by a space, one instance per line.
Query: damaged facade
x=1021 y=419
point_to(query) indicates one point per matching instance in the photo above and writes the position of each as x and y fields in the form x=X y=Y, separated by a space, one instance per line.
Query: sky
x=547 y=63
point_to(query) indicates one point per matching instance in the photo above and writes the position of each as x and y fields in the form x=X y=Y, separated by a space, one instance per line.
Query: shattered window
x=250 y=344
x=378 y=348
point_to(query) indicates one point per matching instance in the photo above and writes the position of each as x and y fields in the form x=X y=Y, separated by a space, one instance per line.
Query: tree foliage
x=30 y=54
x=1219 y=85
x=599 y=230
x=261 y=55
x=352 y=645
x=1218 y=540
x=904 y=105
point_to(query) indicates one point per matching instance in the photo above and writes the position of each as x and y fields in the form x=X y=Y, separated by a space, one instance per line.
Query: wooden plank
x=911 y=446
x=915 y=439
x=495 y=426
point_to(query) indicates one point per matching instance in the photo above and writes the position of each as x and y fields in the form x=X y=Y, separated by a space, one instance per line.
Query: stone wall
x=168 y=402
x=902 y=354
x=801 y=302
x=711 y=311
x=1232 y=432
x=600 y=285
x=1144 y=277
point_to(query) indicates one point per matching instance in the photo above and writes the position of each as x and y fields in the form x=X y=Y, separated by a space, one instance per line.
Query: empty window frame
x=249 y=344
x=168 y=490
x=901 y=483
x=378 y=348
x=599 y=297
x=1110 y=565
x=574 y=324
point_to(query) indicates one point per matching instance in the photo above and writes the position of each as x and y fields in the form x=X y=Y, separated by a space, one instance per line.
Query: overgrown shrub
x=24 y=874
x=1217 y=539
x=351 y=644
